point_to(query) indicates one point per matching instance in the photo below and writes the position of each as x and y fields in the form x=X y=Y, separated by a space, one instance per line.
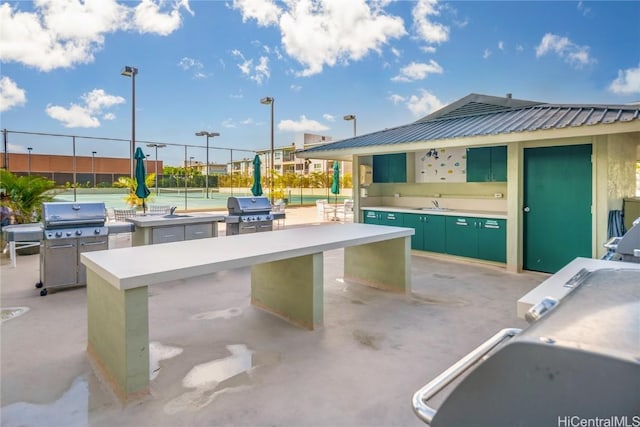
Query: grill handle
x=93 y=243
x=420 y=397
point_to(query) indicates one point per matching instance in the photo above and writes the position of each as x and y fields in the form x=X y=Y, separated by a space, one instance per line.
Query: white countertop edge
x=189 y=258
x=159 y=220
x=453 y=212
x=554 y=285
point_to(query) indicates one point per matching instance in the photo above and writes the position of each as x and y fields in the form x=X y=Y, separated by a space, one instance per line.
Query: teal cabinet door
x=390 y=168
x=486 y=164
x=492 y=239
x=461 y=236
x=371 y=217
x=434 y=236
x=391 y=218
x=499 y=164
x=478 y=164
x=415 y=221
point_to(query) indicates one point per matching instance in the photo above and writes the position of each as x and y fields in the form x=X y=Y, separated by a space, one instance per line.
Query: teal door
x=557 y=206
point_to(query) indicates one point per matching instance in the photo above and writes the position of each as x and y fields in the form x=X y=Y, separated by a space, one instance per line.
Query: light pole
x=190 y=167
x=352 y=117
x=208 y=135
x=131 y=72
x=156 y=147
x=93 y=167
x=268 y=100
x=29 y=149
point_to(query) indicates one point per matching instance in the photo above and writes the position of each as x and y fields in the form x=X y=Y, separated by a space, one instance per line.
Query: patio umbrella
x=335 y=186
x=142 y=191
x=256 y=189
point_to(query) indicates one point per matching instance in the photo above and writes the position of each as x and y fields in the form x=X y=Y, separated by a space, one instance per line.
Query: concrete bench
x=286 y=280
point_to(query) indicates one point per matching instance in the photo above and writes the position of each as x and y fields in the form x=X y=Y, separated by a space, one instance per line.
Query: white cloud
x=583 y=8
x=325 y=32
x=423 y=104
x=486 y=54
x=187 y=63
x=627 y=82
x=426 y=29
x=265 y=12
x=10 y=94
x=428 y=49
x=61 y=34
x=228 y=123
x=295 y=88
x=329 y=117
x=75 y=116
x=301 y=125
x=248 y=121
x=417 y=71
x=520 y=48
x=149 y=18
x=257 y=73
x=572 y=53
x=85 y=116
x=396 y=52
x=501 y=45
x=397 y=99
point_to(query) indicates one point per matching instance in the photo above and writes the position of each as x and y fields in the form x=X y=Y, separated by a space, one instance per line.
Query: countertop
x=136 y=266
x=435 y=211
x=143 y=221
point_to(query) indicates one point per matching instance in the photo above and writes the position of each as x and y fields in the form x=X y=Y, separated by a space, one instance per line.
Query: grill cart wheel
x=38 y=285
x=43 y=293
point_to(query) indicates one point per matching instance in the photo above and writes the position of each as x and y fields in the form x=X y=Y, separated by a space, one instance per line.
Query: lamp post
x=208 y=135
x=190 y=167
x=93 y=167
x=352 y=117
x=131 y=72
x=270 y=101
x=156 y=146
x=29 y=149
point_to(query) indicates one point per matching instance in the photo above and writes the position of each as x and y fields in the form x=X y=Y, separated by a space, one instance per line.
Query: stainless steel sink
x=176 y=216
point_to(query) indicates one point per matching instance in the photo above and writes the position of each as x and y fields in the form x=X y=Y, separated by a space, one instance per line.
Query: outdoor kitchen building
x=547 y=175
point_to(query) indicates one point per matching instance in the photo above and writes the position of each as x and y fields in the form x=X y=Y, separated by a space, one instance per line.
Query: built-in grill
x=248 y=215
x=70 y=229
x=627 y=247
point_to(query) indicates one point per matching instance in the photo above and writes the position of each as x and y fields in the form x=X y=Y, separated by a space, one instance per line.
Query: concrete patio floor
x=217 y=360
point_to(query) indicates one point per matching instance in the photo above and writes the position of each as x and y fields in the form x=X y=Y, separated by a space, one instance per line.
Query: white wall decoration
x=442 y=165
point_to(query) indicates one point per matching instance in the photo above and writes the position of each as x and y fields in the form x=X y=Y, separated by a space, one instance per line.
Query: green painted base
x=291 y=289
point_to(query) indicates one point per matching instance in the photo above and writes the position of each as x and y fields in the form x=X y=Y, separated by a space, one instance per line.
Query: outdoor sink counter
x=154 y=229
x=442 y=211
x=286 y=280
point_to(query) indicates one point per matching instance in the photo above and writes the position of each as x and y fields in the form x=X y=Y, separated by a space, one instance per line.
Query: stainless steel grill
x=248 y=215
x=69 y=229
x=627 y=247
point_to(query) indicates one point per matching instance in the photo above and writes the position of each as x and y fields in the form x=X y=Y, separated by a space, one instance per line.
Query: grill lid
x=248 y=205
x=70 y=214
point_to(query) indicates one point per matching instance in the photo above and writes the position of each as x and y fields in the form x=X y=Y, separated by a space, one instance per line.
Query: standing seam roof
x=522 y=119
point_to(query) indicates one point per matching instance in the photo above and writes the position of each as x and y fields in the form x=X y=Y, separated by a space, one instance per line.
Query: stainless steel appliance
x=248 y=215
x=627 y=247
x=577 y=362
x=69 y=229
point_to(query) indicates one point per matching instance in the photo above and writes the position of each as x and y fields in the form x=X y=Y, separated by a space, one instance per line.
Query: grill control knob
x=68 y=233
x=96 y=231
x=58 y=233
x=78 y=232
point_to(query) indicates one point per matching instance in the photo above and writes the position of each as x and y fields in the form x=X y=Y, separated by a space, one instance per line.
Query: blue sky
x=205 y=65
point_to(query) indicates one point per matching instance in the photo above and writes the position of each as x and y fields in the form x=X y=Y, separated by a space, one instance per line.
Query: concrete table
x=286 y=280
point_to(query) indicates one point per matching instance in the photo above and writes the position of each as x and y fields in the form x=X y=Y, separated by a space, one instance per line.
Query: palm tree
x=25 y=195
x=132 y=184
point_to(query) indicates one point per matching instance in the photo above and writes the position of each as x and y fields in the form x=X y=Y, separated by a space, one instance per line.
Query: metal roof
x=482 y=123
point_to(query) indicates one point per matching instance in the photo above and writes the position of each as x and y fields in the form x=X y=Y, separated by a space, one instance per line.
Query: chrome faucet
x=172 y=210
x=436 y=204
